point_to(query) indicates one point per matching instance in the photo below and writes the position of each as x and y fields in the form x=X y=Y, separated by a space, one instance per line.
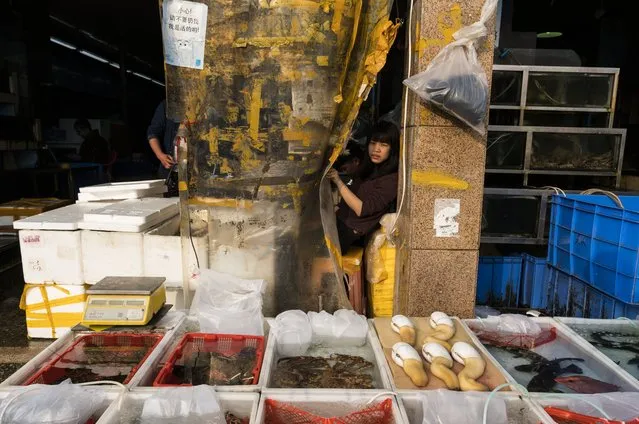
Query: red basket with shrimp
x=283 y=413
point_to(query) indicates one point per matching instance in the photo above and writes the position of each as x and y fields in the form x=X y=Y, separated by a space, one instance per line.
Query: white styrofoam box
x=65 y=218
x=175 y=297
x=566 y=345
x=371 y=351
x=51 y=257
x=333 y=403
x=163 y=253
x=145 y=378
x=133 y=215
x=629 y=370
x=122 y=195
x=167 y=325
x=122 y=186
x=518 y=410
x=106 y=253
x=129 y=409
x=105 y=397
x=66 y=307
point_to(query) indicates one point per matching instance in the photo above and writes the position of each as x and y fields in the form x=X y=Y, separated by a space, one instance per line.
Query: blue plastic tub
x=565 y=295
x=591 y=238
x=533 y=273
x=498 y=280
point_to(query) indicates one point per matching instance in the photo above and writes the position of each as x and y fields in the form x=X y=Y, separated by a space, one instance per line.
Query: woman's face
x=378 y=151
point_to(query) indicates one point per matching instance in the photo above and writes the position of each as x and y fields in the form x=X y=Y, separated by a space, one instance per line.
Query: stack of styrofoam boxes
x=51 y=250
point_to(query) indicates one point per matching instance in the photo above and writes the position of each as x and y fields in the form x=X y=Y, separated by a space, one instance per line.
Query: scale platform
x=124 y=301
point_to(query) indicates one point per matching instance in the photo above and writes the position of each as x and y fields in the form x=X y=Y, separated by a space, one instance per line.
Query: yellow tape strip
x=438 y=179
x=46 y=304
x=333 y=249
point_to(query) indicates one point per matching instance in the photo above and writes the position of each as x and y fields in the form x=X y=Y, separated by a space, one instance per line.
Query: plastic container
x=371 y=351
x=225 y=344
x=565 y=295
x=565 y=345
x=498 y=280
x=593 y=239
x=102 y=353
x=518 y=410
x=533 y=274
x=325 y=407
x=242 y=405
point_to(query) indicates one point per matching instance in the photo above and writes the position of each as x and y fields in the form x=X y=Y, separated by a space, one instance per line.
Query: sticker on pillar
x=184 y=33
x=446 y=217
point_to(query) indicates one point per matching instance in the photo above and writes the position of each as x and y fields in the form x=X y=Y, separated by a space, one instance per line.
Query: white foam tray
x=66 y=218
x=122 y=195
x=168 y=324
x=574 y=347
x=240 y=404
x=334 y=402
x=122 y=186
x=389 y=374
x=134 y=215
x=190 y=324
x=371 y=351
x=610 y=324
x=519 y=411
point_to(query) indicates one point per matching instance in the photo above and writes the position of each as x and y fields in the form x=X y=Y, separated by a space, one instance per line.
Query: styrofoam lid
x=135 y=211
x=122 y=186
x=65 y=218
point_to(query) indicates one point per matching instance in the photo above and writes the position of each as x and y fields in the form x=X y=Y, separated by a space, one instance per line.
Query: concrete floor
x=15 y=348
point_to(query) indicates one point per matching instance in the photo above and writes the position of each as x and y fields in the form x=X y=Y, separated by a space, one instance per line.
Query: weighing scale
x=124 y=301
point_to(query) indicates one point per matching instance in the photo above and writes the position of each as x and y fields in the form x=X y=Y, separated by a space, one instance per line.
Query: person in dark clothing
x=373 y=193
x=165 y=130
x=94 y=148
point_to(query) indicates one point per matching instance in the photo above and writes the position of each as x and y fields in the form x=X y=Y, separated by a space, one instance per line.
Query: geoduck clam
x=440 y=364
x=405 y=328
x=474 y=367
x=407 y=357
x=444 y=329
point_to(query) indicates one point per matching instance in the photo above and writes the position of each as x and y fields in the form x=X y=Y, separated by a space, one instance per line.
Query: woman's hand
x=333 y=175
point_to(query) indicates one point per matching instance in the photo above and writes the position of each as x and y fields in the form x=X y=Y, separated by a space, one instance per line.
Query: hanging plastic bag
x=375 y=260
x=511 y=330
x=183 y=405
x=225 y=304
x=445 y=406
x=64 y=403
x=454 y=80
x=293 y=332
x=344 y=328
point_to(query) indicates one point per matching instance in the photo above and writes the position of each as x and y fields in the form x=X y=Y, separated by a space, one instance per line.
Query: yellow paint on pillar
x=448 y=22
x=438 y=179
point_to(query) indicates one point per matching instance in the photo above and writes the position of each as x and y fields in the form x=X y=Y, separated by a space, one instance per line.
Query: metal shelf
x=521 y=90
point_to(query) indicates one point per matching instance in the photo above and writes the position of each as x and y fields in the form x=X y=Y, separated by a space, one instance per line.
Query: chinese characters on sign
x=184 y=31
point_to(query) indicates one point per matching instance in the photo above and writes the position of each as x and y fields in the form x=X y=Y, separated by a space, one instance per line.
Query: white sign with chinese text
x=446 y=217
x=184 y=32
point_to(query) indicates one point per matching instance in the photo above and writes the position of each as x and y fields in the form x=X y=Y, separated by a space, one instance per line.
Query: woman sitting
x=373 y=192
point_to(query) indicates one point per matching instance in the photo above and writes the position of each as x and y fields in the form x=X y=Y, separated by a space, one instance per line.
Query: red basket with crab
x=96 y=357
x=516 y=340
x=283 y=413
x=221 y=359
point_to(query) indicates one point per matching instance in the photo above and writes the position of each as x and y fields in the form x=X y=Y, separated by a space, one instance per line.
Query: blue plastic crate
x=591 y=238
x=533 y=274
x=498 y=280
x=565 y=295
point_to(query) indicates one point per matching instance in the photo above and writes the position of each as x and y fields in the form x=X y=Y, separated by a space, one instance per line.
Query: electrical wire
x=404 y=145
x=374 y=398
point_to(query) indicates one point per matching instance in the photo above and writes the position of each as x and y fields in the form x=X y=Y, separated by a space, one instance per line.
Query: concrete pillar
x=437 y=269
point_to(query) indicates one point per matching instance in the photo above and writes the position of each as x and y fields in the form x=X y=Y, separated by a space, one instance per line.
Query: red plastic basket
x=284 y=413
x=226 y=344
x=516 y=340
x=110 y=347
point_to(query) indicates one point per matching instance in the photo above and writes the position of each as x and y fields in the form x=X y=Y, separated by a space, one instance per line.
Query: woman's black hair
x=384 y=132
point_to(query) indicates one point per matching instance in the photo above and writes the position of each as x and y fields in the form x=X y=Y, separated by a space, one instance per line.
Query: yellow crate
x=381 y=294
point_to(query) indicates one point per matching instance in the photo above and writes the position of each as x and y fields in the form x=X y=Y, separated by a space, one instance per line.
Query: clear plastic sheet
x=64 y=403
x=446 y=407
x=279 y=87
x=375 y=266
x=183 y=405
x=343 y=328
x=293 y=332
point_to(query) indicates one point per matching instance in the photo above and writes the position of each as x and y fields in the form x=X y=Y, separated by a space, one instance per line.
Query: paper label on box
x=184 y=33
x=32 y=240
x=446 y=217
